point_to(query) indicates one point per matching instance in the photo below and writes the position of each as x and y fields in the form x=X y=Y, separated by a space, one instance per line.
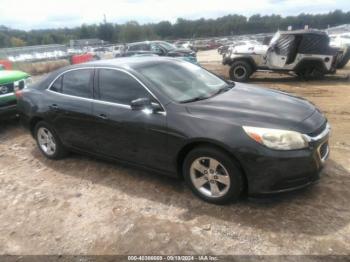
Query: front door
x=279 y=51
x=133 y=135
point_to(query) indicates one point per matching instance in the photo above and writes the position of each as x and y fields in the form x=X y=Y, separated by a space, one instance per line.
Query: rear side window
x=139 y=47
x=119 y=87
x=57 y=85
x=77 y=83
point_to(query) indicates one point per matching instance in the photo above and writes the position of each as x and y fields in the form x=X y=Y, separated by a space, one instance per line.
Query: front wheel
x=240 y=71
x=212 y=175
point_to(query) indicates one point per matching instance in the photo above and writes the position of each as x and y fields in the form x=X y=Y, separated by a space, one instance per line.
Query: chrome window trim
x=102 y=101
x=89 y=99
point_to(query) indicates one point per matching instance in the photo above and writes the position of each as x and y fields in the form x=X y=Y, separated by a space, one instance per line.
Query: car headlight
x=276 y=138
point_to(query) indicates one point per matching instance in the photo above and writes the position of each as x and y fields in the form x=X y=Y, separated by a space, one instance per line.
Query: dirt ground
x=80 y=205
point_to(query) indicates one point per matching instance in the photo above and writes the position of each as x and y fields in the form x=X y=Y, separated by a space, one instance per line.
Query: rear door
x=70 y=108
x=135 y=136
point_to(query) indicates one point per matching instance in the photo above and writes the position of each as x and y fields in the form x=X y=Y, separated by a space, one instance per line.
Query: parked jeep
x=304 y=52
x=10 y=81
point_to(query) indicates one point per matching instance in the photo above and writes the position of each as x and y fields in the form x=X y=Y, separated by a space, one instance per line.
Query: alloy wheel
x=210 y=177
x=46 y=141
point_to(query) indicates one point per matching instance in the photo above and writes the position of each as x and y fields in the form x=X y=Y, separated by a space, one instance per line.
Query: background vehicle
x=160 y=48
x=225 y=51
x=178 y=119
x=184 y=44
x=10 y=81
x=205 y=44
x=342 y=42
x=305 y=52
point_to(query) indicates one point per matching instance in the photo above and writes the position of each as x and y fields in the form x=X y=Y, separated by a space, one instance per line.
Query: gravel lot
x=81 y=205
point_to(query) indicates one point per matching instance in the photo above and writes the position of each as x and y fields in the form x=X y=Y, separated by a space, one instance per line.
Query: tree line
x=182 y=28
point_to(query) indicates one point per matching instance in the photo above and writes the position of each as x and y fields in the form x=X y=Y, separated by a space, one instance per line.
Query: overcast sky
x=35 y=14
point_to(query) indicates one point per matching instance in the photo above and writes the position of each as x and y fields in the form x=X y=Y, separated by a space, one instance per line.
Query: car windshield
x=166 y=45
x=183 y=82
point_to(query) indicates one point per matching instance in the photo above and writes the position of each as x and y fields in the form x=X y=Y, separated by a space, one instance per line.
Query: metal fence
x=6 y=53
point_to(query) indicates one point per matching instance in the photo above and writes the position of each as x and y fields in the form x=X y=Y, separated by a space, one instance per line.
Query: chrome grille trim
x=325 y=156
x=320 y=136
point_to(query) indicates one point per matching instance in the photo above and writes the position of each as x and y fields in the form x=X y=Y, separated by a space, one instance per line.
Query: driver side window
x=118 y=87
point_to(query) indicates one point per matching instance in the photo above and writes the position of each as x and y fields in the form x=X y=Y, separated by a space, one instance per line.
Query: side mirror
x=145 y=103
x=140 y=104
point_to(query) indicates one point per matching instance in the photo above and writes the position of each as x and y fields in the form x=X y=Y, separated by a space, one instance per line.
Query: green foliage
x=182 y=28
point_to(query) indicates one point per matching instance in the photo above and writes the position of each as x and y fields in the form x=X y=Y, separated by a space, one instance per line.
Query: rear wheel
x=311 y=72
x=48 y=141
x=345 y=59
x=240 y=71
x=212 y=175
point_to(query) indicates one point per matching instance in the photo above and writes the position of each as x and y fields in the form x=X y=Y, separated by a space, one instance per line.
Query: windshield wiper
x=222 y=90
x=198 y=98
x=219 y=91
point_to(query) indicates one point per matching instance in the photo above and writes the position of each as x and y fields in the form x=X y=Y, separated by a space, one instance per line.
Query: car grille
x=6 y=89
x=323 y=151
x=318 y=130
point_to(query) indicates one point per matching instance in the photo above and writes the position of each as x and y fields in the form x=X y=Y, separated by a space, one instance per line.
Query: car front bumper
x=282 y=171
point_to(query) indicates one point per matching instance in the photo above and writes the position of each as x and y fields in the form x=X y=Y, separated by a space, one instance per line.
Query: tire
x=240 y=71
x=311 y=72
x=52 y=152
x=227 y=177
x=344 y=60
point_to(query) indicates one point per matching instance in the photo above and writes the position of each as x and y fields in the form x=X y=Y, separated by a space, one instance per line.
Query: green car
x=10 y=81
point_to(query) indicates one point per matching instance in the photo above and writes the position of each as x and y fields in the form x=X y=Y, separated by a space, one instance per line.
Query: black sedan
x=178 y=119
x=159 y=48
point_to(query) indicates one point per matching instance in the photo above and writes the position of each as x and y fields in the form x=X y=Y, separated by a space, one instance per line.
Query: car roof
x=145 y=42
x=128 y=63
x=305 y=31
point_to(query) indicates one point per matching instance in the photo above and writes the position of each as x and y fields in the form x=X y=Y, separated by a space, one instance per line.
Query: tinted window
x=119 y=87
x=139 y=47
x=57 y=85
x=77 y=83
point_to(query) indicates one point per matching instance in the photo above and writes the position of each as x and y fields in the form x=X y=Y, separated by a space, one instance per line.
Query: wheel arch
x=247 y=59
x=307 y=62
x=33 y=123
x=181 y=155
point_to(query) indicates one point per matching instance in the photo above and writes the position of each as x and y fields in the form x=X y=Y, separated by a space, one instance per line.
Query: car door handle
x=102 y=116
x=54 y=107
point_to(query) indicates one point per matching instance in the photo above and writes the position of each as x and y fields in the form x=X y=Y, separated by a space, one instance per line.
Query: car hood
x=250 y=49
x=9 y=76
x=261 y=107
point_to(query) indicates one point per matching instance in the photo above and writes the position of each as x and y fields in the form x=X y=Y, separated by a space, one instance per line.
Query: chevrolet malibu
x=176 y=118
